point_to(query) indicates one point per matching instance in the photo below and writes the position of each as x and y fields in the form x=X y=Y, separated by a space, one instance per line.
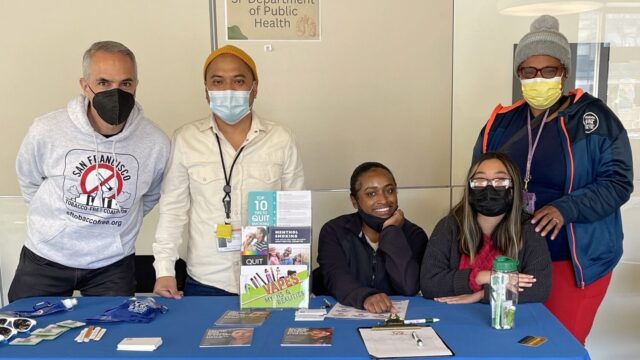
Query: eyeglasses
x=18 y=324
x=481 y=183
x=547 y=72
x=6 y=333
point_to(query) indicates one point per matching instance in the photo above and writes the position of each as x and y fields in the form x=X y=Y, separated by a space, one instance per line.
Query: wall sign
x=273 y=19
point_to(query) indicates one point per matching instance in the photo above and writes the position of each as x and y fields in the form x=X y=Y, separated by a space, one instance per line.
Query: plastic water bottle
x=504 y=292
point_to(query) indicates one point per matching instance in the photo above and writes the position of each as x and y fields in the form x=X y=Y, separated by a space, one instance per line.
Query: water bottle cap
x=505 y=263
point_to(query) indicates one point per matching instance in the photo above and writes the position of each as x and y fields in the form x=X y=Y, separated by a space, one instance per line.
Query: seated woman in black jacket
x=375 y=252
x=487 y=222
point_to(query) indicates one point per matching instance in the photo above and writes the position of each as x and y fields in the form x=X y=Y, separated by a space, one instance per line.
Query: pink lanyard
x=532 y=149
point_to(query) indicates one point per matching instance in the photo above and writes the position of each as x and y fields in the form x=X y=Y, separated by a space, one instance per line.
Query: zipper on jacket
x=373 y=269
x=572 y=234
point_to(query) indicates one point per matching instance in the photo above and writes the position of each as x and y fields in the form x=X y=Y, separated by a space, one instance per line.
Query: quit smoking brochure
x=276 y=250
x=215 y=337
x=307 y=336
x=279 y=208
x=242 y=318
x=277 y=286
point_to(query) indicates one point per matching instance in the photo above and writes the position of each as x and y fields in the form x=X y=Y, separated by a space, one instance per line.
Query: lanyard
x=226 y=200
x=532 y=149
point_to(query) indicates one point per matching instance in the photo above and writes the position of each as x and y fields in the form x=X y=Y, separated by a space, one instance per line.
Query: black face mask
x=114 y=106
x=491 y=201
x=373 y=222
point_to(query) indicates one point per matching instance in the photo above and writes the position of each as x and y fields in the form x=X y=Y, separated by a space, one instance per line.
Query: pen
x=326 y=303
x=415 y=337
x=422 y=321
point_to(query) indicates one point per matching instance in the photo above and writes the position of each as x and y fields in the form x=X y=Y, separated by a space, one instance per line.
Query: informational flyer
x=340 y=311
x=279 y=208
x=278 y=286
x=276 y=250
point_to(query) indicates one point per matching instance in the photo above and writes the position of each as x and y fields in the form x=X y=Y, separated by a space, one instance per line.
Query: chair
x=317 y=283
x=146 y=274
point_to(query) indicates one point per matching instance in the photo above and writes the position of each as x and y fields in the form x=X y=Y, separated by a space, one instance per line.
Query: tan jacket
x=192 y=193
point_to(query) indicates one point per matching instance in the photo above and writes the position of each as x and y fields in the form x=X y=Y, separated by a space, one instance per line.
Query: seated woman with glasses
x=487 y=222
x=375 y=252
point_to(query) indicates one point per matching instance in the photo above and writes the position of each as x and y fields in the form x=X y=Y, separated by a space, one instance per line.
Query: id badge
x=528 y=202
x=228 y=238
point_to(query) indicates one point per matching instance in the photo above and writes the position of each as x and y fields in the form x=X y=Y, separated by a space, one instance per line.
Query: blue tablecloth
x=465 y=329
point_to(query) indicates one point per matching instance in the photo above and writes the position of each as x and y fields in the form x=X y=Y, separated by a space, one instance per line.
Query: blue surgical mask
x=230 y=105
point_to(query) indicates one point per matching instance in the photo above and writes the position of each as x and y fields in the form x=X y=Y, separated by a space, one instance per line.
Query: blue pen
x=327 y=304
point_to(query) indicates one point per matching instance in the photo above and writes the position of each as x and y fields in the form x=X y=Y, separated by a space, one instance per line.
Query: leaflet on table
x=242 y=318
x=279 y=208
x=340 y=311
x=307 y=336
x=214 y=337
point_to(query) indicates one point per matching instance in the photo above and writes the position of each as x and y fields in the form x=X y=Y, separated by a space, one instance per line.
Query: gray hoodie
x=87 y=194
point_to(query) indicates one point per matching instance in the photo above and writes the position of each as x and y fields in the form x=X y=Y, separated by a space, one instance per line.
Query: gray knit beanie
x=543 y=39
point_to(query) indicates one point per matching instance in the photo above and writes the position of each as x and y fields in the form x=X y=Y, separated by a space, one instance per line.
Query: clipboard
x=400 y=342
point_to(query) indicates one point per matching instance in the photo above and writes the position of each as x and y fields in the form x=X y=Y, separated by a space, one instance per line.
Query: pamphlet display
x=276 y=250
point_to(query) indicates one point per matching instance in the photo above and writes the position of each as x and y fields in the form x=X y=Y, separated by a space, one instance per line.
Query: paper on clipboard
x=395 y=343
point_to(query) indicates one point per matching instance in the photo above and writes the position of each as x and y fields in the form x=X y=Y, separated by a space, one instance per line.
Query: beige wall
x=350 y=97
x=43 y=41
x=377 y=87
x=41 y=46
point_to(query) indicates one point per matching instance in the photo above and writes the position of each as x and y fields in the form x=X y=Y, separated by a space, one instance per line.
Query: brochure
x=215 y=337
x=307 y=336
x=276 y=250
x=243 y=318
x=278 y=286
x=279 y=208
x=340 y=311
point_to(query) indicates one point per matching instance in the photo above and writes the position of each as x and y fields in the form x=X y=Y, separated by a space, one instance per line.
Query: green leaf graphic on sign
x=235 y=33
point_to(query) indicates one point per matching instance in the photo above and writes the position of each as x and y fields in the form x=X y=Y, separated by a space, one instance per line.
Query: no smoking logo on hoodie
x=101 y=184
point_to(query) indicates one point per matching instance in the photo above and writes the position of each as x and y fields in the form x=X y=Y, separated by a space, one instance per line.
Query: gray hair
x=112 y=47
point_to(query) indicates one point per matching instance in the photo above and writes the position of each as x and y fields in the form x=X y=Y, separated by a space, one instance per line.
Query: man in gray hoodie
x=89 y=173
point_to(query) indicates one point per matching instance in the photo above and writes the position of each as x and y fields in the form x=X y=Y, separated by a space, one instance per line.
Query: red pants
x=574 y=307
